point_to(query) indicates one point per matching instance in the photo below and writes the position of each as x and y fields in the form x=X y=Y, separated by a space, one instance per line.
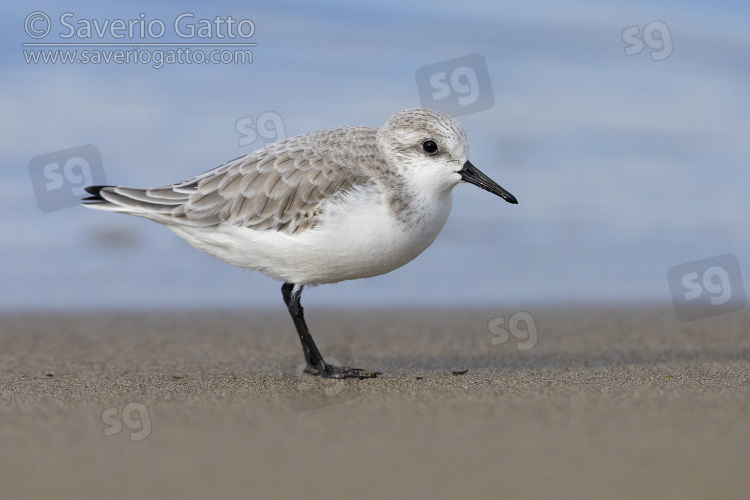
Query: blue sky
x=623 y=166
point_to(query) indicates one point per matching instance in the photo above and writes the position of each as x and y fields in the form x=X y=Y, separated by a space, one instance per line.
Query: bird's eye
x=429 y=146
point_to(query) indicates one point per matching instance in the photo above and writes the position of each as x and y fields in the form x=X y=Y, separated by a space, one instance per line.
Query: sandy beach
x=609 y=402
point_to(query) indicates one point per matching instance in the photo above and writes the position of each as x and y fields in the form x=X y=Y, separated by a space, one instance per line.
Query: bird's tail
x=150 y=203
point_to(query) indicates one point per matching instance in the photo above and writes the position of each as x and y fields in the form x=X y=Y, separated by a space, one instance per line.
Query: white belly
x=358 y=237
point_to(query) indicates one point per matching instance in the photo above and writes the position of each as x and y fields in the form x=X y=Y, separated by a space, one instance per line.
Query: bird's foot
x=325 y=370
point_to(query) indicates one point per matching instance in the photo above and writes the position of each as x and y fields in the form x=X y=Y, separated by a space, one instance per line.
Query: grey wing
x=280 y=187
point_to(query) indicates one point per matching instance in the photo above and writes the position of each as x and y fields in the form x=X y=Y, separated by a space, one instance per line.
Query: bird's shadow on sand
x=558 y=361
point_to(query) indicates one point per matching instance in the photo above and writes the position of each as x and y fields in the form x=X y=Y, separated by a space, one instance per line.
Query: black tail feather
x=94 y=191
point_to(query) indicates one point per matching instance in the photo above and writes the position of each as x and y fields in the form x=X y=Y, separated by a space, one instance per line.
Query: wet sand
x=610 y=402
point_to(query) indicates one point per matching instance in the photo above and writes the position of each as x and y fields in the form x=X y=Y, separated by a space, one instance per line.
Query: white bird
x=322 y=207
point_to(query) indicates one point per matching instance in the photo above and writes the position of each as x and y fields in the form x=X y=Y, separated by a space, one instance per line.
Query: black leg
x=316 y=365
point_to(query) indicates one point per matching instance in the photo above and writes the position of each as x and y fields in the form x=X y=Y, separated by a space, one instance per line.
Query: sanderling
x=323 y=207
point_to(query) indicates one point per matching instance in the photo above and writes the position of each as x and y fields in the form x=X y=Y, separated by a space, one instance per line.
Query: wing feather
x=280 y=187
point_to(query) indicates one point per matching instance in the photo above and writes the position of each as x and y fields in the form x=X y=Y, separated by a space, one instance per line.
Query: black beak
x=470 y=173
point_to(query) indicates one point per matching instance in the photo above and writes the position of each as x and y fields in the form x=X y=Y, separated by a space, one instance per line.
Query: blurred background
x=621 y=127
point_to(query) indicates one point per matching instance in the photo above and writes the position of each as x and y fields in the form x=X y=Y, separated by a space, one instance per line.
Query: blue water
x=623 y=166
